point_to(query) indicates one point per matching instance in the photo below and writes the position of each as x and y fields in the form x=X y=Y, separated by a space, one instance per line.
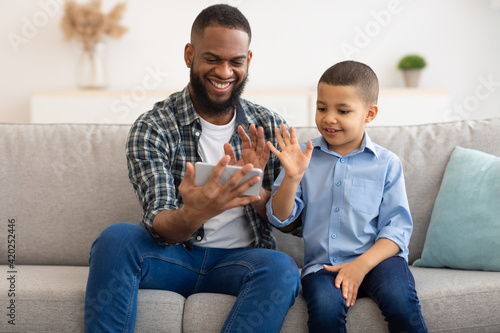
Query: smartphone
x=204 y=170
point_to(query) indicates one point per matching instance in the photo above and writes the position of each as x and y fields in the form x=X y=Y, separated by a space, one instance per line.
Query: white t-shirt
x=230 y=229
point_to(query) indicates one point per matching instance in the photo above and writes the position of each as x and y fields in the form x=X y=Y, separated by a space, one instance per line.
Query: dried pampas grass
x=86 y=22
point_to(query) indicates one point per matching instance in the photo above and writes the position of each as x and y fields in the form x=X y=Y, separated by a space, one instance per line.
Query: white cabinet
x=412 y=107
x=91 y=106
x=123 y=107
x=396 y=106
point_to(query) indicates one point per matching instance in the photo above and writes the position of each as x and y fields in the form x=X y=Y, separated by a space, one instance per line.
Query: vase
x=91 y=69
x=411 y=77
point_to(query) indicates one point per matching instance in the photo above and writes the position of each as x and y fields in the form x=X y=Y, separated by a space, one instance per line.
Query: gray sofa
x=61 y=185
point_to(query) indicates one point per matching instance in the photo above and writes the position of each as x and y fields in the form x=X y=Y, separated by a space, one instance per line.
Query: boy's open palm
x=291 y=156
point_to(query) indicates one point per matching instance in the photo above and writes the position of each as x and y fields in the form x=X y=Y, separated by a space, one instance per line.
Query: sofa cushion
x=458 y=301
x=159 y=311
x=47 y=298
x=51 y=299
x=451 y=302
x=200 y=316
x=464 y=231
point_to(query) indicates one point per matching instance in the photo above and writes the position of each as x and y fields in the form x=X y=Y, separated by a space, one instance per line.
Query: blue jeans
x=125 y=257
x=390 y=285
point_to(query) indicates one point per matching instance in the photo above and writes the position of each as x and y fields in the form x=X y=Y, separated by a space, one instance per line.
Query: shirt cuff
x=398 y=236
x=297 y=208
x=148 y=223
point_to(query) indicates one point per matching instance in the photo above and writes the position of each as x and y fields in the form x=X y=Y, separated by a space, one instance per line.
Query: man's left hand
x=253 y=150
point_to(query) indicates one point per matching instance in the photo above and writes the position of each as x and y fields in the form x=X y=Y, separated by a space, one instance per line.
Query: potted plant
x=411 y=65
x=88 y=24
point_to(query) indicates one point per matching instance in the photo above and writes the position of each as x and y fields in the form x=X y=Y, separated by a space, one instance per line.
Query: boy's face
x=341 y=117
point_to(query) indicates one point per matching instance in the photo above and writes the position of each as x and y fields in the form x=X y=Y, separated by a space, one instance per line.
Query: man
x=207 y=238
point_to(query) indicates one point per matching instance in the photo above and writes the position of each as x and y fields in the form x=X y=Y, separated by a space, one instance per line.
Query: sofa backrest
x=424 y=151
x=63 y=184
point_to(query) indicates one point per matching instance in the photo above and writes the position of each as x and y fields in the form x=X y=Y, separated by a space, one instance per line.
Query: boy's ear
x=372 y=113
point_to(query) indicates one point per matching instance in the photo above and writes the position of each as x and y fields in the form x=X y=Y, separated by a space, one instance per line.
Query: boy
x=349 y=195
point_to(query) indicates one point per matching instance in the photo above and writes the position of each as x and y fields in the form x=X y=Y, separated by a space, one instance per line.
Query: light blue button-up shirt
x=348 y=203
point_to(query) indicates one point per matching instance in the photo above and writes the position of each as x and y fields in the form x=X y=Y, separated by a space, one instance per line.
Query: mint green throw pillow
x=464 y=231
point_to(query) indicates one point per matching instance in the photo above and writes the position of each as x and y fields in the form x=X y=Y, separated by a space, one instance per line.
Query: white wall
x=293 y=43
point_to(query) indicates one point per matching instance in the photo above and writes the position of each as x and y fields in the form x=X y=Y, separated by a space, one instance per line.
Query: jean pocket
x=366 y=195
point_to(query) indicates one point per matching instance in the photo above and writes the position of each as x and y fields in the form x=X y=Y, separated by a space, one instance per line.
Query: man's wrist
x=265 y=195
x=260 y=205
x=175 y=226
x=191 y=216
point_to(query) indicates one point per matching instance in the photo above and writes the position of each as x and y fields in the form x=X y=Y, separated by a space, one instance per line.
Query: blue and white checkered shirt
x=162 y=140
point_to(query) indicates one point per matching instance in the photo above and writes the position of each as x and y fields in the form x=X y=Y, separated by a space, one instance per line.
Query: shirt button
x=336 y=210
x=338 y=183
x=198 y=238
x=342 y=160
x=197 y=133
x=334 y=236
x=334 y=259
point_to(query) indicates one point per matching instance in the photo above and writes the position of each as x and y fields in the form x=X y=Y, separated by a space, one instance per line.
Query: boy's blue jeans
x=125 y=258
x=390 y=285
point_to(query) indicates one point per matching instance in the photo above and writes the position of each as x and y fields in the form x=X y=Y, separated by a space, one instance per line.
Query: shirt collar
x=366 y=145
x=187 y=113
x=190 y=114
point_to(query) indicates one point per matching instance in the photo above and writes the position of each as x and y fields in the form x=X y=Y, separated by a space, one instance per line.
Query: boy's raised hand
x=291 y=156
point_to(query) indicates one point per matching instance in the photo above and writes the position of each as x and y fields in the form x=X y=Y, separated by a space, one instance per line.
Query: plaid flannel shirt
x=162 y=140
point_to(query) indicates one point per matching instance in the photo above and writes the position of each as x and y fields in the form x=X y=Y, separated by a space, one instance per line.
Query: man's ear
x=188 y=54
x=372 y=113
x=249 y=57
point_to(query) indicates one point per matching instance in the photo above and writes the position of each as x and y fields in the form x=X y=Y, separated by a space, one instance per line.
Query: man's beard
x=209 y=106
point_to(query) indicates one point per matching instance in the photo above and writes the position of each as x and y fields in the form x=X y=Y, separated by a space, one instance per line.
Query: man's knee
x=285 y=270
x=289 y=270
x=113 y=237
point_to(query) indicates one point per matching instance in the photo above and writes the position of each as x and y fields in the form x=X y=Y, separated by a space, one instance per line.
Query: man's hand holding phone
x=201 y=203
x=215 y=196
x=204 y=171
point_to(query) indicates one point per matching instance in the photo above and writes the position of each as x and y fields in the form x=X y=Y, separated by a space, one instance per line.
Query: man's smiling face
x=219 y=61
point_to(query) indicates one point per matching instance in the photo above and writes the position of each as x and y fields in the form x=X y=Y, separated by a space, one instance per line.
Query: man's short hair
x=220 y=15
x=353 y=73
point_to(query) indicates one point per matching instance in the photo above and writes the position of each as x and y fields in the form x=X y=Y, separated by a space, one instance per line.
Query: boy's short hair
x=221 y=15
x=353 y=73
